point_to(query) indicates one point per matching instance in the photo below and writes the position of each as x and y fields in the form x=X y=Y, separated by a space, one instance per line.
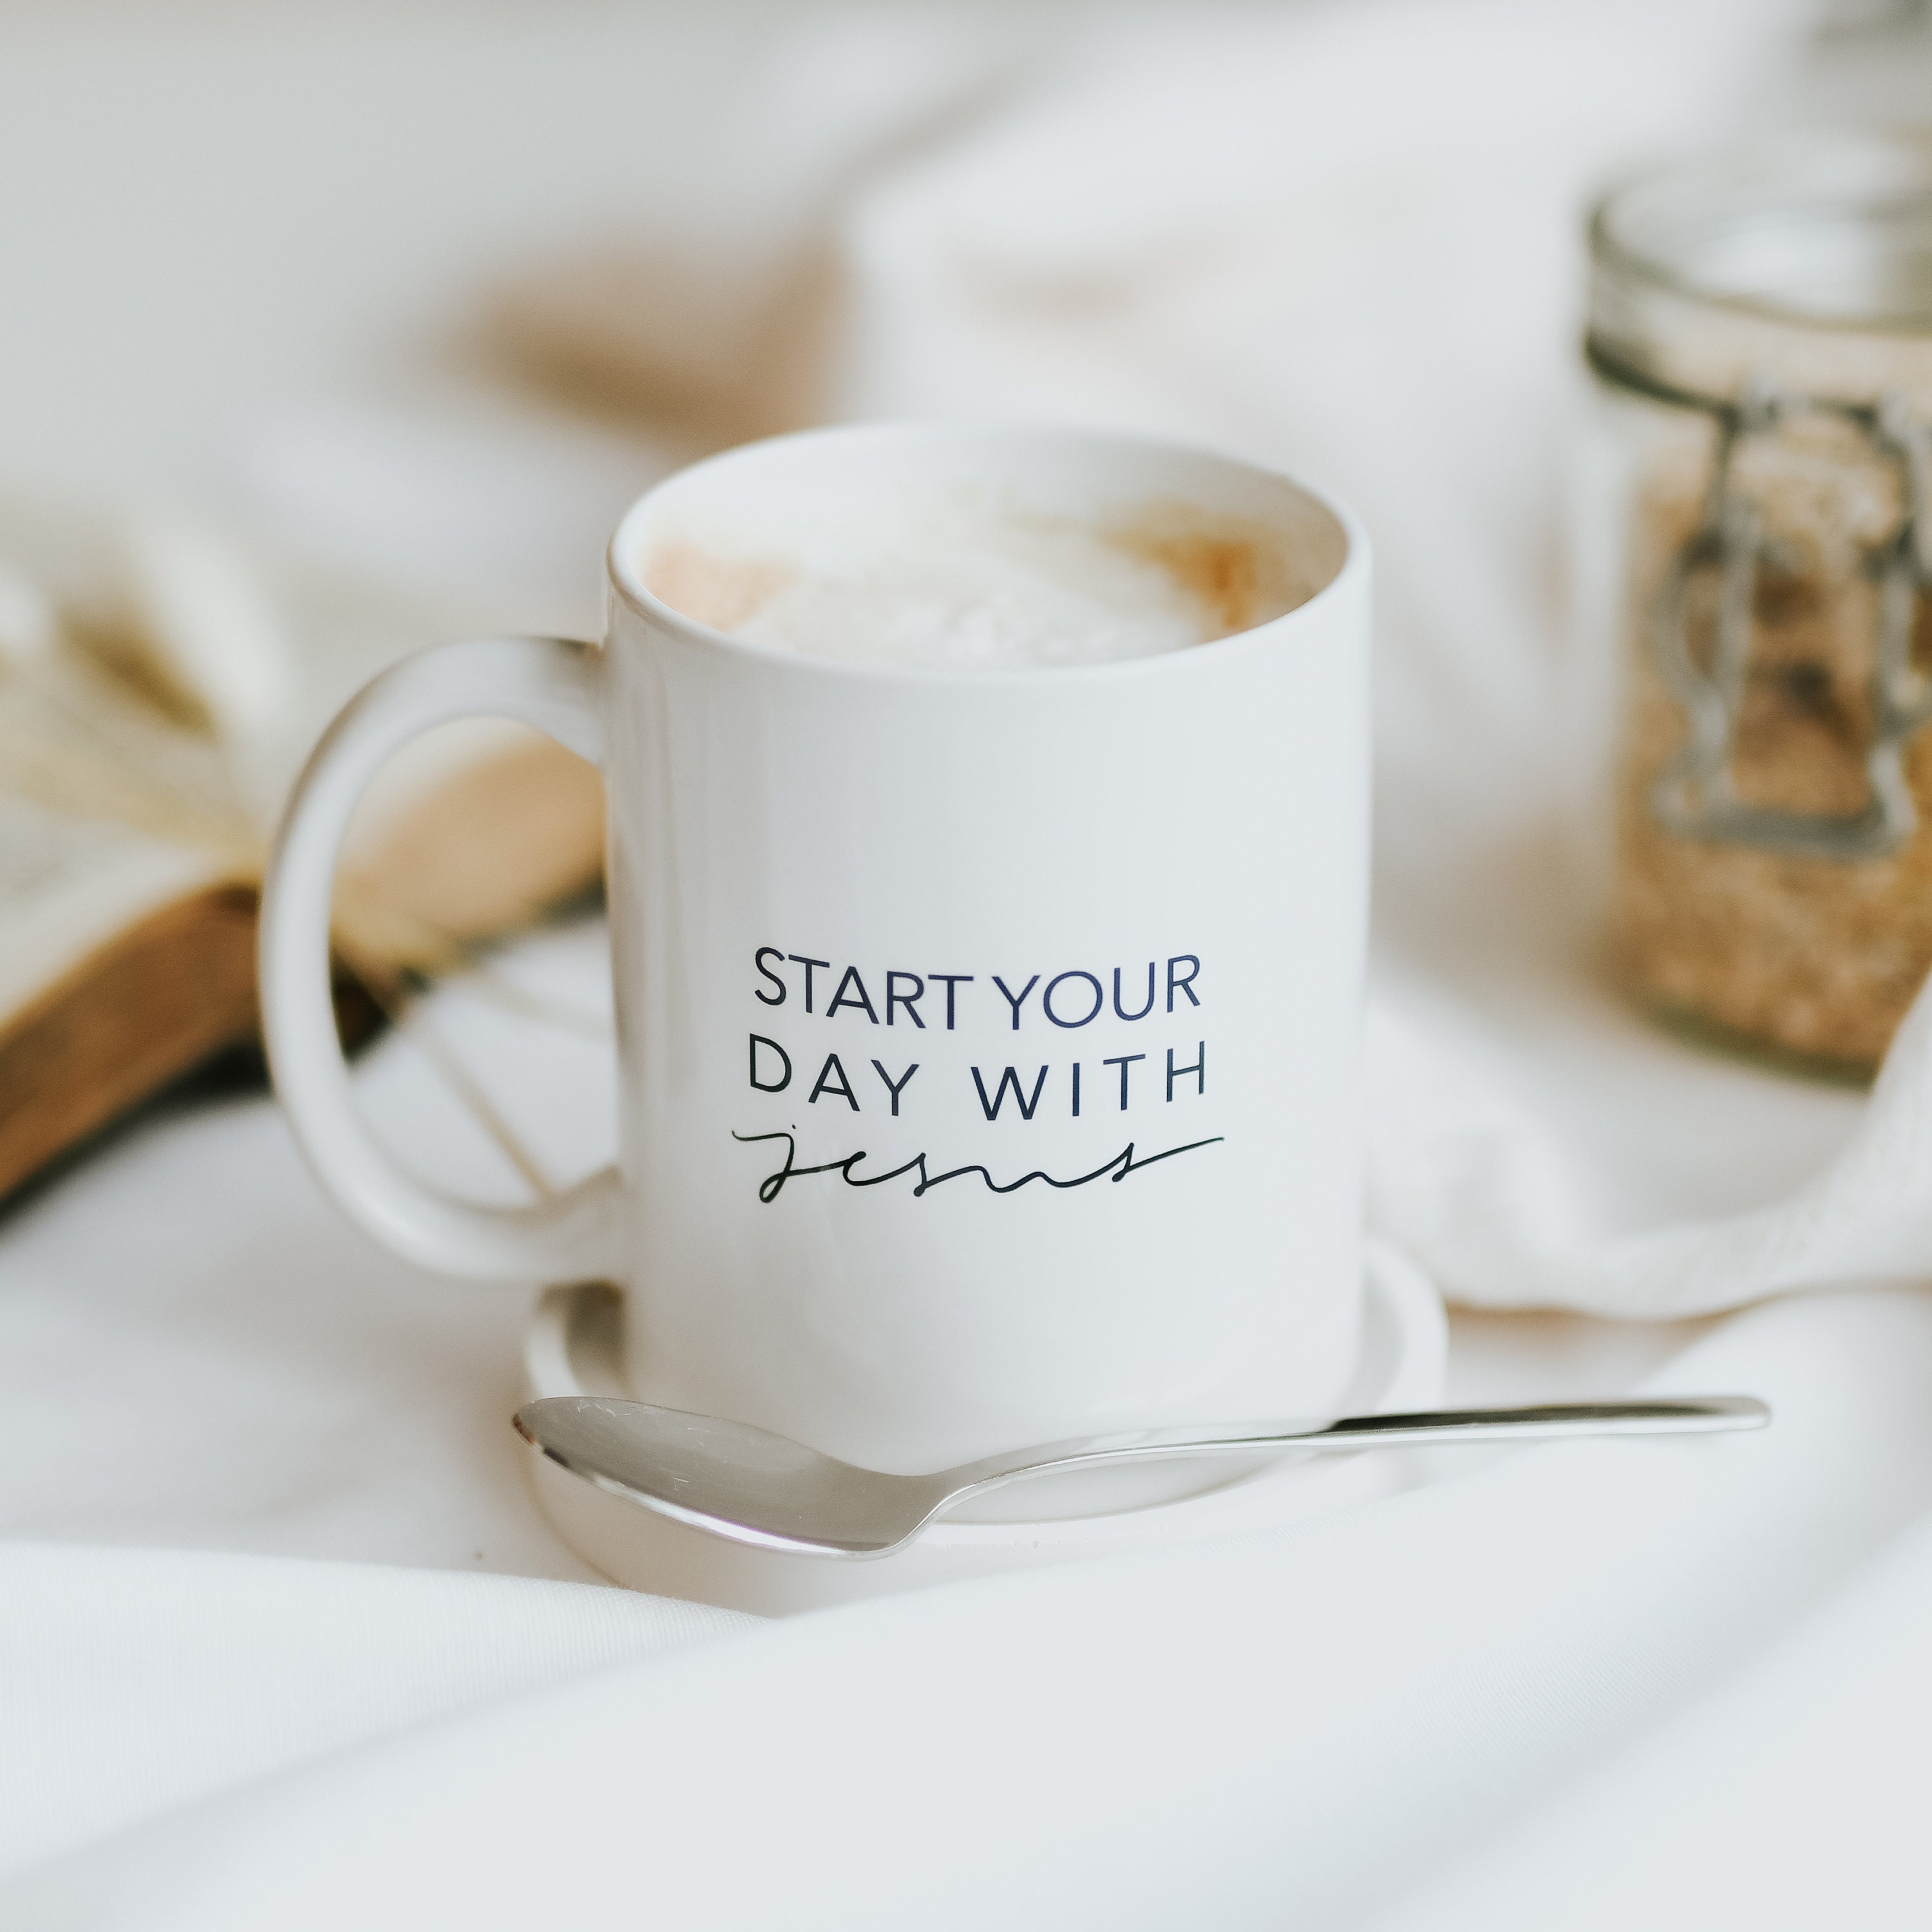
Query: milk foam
x=937 y=591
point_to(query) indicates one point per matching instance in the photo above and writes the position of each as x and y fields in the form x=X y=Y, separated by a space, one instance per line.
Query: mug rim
x=628 y=583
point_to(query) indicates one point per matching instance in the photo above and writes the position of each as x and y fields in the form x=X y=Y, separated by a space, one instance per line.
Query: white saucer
x=574 y=1349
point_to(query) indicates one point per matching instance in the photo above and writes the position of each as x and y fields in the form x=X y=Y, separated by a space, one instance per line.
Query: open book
x=159 y=690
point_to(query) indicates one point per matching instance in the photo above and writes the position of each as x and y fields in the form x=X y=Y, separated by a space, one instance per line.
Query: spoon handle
x=1674 y=1415
x=1680 y=1415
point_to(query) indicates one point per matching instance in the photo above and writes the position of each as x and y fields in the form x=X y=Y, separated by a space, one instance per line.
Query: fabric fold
x=1323 y=1715
x=133 y=1682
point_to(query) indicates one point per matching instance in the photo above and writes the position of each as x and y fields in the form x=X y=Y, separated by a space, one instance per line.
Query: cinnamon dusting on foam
x=1235 y=569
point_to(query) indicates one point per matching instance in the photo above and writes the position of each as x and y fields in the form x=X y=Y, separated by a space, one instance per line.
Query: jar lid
x=1806 y=262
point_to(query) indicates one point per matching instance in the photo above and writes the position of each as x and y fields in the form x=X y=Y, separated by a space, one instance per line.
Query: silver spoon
x=755 y=1487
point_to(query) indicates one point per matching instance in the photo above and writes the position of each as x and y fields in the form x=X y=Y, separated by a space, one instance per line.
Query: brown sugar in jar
x=1754 y=554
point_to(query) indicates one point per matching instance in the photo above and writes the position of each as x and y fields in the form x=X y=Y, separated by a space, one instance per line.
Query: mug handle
x=555 y=685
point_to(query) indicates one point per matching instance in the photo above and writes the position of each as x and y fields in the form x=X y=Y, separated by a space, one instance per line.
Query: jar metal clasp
x=1693 y=796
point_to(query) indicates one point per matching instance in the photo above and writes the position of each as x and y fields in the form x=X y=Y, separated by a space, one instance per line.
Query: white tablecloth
x=283 y=1639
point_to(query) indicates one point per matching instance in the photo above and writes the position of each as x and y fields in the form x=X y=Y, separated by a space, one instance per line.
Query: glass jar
x=1753 y=573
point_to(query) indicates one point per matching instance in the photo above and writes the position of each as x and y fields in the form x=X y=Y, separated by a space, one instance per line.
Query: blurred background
x=444 y=284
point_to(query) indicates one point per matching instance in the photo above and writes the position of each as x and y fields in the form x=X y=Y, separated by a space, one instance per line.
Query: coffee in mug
x=962 y=585
x=987 y=871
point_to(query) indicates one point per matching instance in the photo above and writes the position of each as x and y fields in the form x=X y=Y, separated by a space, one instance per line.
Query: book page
x=68 y=886
x=472 y=830
x=148 y=754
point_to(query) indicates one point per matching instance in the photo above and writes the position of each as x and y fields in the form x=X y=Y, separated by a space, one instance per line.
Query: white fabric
x=1283 y=1729
x=1786 y=1798
x=282 y=1638
x=142 y=1680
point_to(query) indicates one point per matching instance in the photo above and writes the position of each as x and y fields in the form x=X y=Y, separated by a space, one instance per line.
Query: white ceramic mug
x=988 y=1040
